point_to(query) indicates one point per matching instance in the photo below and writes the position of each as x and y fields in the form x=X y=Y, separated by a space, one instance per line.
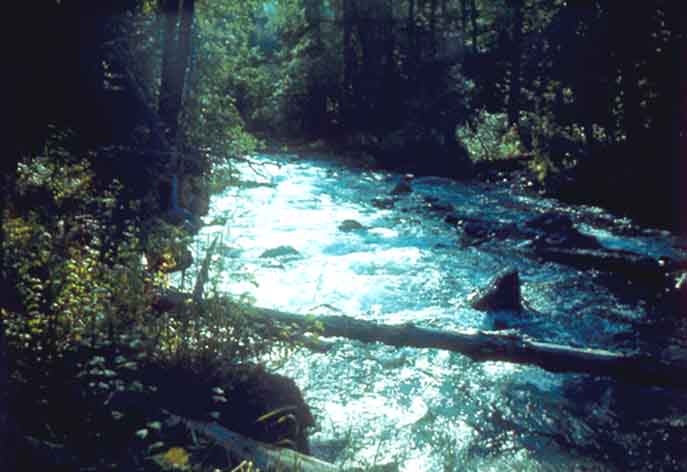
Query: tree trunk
x=389 y=82
x=8 y=169
x=145 y=103
x=316 y=108
x=5 y=459
x=178 y=23
x=349 y=61
x=464 y=17
x=473 y=19
x=185 y=48
x=411 y=28
x=170 y=11
x=669 y=371
x=516 y=61
x=433 y=27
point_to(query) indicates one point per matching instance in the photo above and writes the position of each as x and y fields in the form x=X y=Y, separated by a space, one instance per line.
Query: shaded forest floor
x=107 y=407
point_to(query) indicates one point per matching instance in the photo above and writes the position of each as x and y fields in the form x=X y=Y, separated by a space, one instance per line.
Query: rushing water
x=425 y=410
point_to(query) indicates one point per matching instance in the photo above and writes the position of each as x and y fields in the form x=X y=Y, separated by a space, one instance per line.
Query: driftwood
x=670 y=370
x=265 y=457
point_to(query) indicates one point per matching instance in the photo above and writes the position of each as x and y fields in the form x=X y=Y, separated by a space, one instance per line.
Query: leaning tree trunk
x=176 y=58
x=516 y=63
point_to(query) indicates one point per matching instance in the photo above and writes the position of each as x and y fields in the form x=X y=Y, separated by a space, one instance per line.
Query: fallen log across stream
x=668 y=370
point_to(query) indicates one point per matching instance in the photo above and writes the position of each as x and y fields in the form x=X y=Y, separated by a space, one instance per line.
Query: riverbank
x=95 y=363
x=515 y=172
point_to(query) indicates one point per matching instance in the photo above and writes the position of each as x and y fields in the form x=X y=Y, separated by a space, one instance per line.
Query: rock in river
x=502 y=293
x=403 y=186
x=383 y=203
x=280 y=251
x=557 y=230
x=350 y=225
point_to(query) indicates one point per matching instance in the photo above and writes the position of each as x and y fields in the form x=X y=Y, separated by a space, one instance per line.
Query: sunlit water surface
x=425 y=410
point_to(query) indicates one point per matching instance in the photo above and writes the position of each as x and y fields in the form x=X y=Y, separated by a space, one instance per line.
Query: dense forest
x=126 y=116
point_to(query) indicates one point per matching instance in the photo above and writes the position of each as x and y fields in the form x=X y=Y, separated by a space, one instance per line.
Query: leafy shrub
x=489 y=137
x=555 y=146
x=81 y=277
x=76 y=272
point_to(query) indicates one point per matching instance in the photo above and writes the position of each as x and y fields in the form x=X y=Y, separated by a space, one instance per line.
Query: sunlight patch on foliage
x=489 y=137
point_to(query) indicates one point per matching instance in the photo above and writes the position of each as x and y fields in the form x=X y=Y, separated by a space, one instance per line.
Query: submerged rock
x=475 y=231
x=451 y=219
x=280 y=251
x=350 y=225
x=437 y=206
x=403 y=187
x=555 y=229
x=545 y=231
x=502 y=293
x=622 y=263
x=550 y=222
x=383 y=203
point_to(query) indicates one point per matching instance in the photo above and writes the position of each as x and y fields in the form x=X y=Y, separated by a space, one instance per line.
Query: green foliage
x=490 y=137
x=82 y=278
x=74 y=273
x=88 y=326
x=222 y=177
x=556 y=146
x=175 y=458
x=227 y=81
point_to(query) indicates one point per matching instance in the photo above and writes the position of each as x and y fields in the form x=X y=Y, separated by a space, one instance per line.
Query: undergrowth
x=85 y=328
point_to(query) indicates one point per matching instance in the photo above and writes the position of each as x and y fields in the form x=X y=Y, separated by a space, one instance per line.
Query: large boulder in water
x=502 y=293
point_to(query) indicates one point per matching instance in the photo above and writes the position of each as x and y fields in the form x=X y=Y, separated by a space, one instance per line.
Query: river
x=384 y=408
